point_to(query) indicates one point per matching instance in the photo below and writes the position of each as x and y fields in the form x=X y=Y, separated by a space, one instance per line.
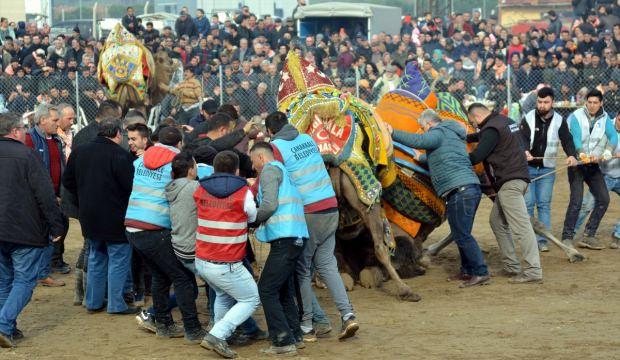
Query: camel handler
x=189 y=93
x=302 y=159
x=542 y=131
x=499 y=146
x=455 y=181
x=282 y=225
x=595 y=139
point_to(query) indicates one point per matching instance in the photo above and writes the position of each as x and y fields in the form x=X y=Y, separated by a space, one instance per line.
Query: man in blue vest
x=595 y=139
x=282 y=225
x=302 y=159
x=148 y=230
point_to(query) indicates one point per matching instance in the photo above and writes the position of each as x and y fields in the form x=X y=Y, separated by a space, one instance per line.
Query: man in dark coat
x=185 y=26
x=24 y=229
x=100 y=174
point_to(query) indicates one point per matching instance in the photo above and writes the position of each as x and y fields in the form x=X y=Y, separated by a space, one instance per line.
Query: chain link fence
x=510 y=88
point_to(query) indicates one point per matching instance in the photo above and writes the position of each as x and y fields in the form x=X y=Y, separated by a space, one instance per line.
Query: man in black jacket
x=500 y=148
x=100 y=174
x=24 y=229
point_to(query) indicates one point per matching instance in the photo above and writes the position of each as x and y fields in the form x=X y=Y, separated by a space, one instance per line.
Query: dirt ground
x=574 y=314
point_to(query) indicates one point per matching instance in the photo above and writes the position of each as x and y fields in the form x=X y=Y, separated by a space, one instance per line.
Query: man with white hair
x=455 y=181
x=43 y=140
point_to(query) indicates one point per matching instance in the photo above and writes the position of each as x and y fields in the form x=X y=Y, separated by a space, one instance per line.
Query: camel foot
x=347 y=280
x=425 y=259
x=406 y=294
x=371 y=277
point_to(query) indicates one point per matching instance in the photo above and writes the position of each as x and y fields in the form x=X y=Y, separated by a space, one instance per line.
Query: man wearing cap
x=185 y=26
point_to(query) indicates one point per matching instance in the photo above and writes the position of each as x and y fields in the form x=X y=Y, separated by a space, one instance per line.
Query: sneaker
x=568 y=242
x=299 y=344
x=322 y=329
x=543 y=247
x=129 y=298
x=51 y=282
x=590 y=242
x=258 y=335
x=309 y=336
x=6 y=341
x=63 y=268
x=129 y=311
x=288 y=350
x=146 y=321
x=17 y=334
x=508 y=273
x=524 y=279
x=220 y=346
x=169 y=331
x=349 y=328
x=238 y=339
x=196 y=336
x=97 y=310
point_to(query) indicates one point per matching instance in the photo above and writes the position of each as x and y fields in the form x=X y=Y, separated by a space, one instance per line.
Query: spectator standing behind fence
x=595 y=139
x=130 y=22
x=43 y=140
x=499 y=146
x=24 y=229
x=100 y=175
x=542 y=130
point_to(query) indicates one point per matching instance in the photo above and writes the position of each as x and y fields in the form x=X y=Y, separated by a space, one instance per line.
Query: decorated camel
x=132 y=74
x=381 y=186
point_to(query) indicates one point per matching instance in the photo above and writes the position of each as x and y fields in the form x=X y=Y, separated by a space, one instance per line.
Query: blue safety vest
x=288 y=220
x=305 y=165
x=148 y=202
x=204 y=170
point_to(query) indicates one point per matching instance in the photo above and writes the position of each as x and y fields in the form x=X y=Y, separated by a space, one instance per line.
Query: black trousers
x=276 y=288
x=59 y=246
x=141 y=275
x=166 y=270
x=591 y=175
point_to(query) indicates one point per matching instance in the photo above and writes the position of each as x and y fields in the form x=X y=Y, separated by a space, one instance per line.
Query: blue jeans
x=109 y=261
x=19 y=266
x=538 y=196
x=461 y=209
x=613 y=184
x=249 y=326
x=45 y=263
x=236 y=295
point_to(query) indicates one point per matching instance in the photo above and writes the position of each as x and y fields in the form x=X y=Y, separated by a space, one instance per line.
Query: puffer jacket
x=446 y=154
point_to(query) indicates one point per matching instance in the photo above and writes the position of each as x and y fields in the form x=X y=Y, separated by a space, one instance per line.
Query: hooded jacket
x=148 y=207
x=180 y=195
x=446 y=154
x=225 y=205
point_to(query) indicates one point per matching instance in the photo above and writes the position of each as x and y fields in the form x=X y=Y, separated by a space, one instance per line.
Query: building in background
x=512 y=12
x=13 y=9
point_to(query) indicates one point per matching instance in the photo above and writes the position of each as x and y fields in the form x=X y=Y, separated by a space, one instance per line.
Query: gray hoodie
x=180 y=195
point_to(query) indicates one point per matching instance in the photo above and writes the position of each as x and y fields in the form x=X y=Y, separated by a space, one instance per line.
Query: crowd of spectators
x=239 y=59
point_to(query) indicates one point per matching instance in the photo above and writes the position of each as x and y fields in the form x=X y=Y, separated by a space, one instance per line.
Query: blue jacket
x=446 y=154
x=304 y=163
x=40 y=147
x=148 y=203
x=203 y=26
x=204 y=170
x=288 y=220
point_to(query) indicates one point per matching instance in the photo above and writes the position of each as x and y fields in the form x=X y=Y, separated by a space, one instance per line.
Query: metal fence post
x=221 y=78
x=357 y=82
x=77 y=100
x=508 y=89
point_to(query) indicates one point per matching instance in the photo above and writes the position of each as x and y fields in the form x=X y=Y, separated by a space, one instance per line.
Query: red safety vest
x=222 y=226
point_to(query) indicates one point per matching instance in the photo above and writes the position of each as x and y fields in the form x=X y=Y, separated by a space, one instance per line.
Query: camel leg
x=571 y=252
x=422 y=263
x=373 y=219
